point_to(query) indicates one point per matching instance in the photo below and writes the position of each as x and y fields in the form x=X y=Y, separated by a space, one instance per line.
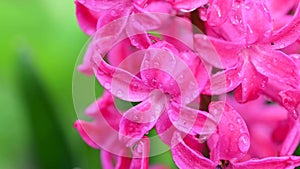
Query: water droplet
x=146 y=63
x=114 y=13
x=156 y=65
x=187 y=99
x=203 y=14
x=180 y=79
x=244 y=143
x=192 y=85
x=119 y=93
x=139 y=149
x=136 y=118
x=295 y=114
x=153 y=82
x=107 y=85
x=202 y=138
x=275 y=61
x=231 y=127
x=239 y=120
x=135 y=86
x=268 y=33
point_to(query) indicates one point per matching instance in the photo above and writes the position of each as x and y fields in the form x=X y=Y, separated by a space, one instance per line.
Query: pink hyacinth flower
x=228 y=147
x=167 y=81
x=102 y=133
x=93 y=14
x=268 y=125
x=248 y=67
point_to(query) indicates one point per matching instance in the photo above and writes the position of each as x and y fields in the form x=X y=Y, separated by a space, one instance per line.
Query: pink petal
x=120 y=83
x=185 y=157
x=188 y=5
x=251 y=85
x=86 y=67
x=290 y=99
x=98 y=137
x=258 y=20
x=140 y=119
x=219 y=53
x=224 y=81
x=86 y=18
x=165 y=128
x=200 y=69
x=217 y=12
x=272 y=162
x=280 y=8
x=192 y=121
x=107 y=161
x=103 y=131
x=117 y=11
x=287 y=34
x=118 y=54
x=275 y=65
x=291 y=141
x=163 y=69
x=141 y=153
x=232 y=140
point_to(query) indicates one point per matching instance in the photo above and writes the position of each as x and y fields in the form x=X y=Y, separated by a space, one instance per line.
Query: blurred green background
x=40 y=42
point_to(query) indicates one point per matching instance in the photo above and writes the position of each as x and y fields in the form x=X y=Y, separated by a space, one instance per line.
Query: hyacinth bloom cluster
x=217 y=80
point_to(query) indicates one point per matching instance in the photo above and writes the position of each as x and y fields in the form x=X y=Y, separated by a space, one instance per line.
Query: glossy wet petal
x=292 y=140
x=188 y=5
x=275 y=65
x=251 y=85
x=140 y=157
x=121 y=83
x=232 y=139
x=108 y=159
x=186 y=157
x=219 y=53
x=271 y=162
x=224 y=81
x=163 y=69
x=192 y=121
x=290 y=99
x=87 y=19
x=140 y=119
x=287 y=34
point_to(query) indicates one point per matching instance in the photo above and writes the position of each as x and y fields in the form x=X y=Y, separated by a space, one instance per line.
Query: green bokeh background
x=39 y=44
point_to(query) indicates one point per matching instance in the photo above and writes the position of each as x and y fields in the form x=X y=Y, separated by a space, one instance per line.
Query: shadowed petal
x=187 y=158
x=251 y=85
x=219 y=53
x=121 y=83
x=275 y=65
x=232 y=139
x=140 y=152
x=287 y=34
x=292 y=140
x=188 y=5
x=271 y=162
x=224 y=81
x=141 y=118
x=192 y=121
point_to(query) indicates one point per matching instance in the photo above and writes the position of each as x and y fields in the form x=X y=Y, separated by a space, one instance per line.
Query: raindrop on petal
x=244 y=143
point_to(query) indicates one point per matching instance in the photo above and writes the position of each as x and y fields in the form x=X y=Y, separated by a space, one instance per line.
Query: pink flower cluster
x=218 y=80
